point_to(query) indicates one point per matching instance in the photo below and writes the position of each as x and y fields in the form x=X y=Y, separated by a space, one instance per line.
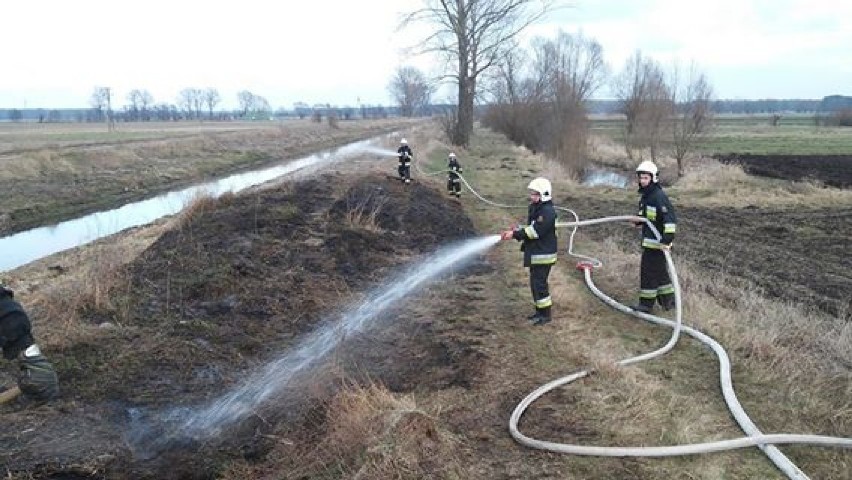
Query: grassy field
x=794 y=135
x=440 y=388
x=53 y=172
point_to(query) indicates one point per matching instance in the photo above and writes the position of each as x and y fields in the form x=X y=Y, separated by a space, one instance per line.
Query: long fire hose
x=766 y=442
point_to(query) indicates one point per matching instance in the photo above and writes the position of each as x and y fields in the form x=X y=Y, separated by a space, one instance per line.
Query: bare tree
x=546 y=108
x=693 y=114
x=246 y=100
x=140 y=100
x=187 y=100
x=211 y=99
x=571 y=69
x=411 y=90
x=473 y=35
x=101 y=100
x=646 y=103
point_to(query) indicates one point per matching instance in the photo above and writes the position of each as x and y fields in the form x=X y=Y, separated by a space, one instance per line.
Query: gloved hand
x=38 y=378
x=507 y=235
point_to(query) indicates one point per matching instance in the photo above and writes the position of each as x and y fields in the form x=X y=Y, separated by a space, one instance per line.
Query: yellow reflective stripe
x=544 y=259
x=647 y=294
x=650 y=243
x=665 y=289
x=544 y=302
x=531 y=233
x=651 y=212
x=669 y=228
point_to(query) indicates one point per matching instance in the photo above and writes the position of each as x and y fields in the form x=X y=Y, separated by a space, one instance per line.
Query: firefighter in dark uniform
x=405 y=155
x=655 y=283
x=539 y=246
x=454 y=182
x=37 y=377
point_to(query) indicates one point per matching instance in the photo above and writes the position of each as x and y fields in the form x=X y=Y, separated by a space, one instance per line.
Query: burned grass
x=236 y=281
x=831 y=170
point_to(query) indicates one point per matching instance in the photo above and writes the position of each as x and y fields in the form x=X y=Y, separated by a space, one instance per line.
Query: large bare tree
x=472 y=35
x=692 y=99
x=411 y=90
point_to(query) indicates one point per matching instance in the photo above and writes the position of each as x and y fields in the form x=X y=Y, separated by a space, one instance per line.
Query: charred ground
x=831 y=170
x=237 y=281
x=798 y=254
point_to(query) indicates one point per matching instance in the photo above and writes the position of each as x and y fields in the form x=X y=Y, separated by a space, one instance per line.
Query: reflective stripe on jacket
x=656 y=207
x=539 y=235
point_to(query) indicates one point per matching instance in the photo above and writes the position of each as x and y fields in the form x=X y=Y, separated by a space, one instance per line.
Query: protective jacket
x=656 y=207
x=454 y=168
x=15 y=329
x=405 y=154
x=539 y=235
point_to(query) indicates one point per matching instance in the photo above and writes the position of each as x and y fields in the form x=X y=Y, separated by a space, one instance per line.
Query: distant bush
x=840 y=118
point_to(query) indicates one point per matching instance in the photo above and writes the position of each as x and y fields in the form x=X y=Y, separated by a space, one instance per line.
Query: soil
x=242 y=279
x=831 y=170
x=798 y=254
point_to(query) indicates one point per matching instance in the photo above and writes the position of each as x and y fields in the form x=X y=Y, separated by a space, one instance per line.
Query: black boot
x=543 y=316
x=644 y=306
x=667 y=301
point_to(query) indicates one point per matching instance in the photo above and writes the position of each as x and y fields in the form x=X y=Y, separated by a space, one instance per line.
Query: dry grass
x=362 y=213
x=369 y=433
x=710 y=182
x=804 y=355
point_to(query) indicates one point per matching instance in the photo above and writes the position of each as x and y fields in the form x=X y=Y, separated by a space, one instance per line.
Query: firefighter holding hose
x=538 y=239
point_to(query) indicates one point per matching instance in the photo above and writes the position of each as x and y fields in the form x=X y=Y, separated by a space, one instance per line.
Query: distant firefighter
x=405 y=156
x=454 y=169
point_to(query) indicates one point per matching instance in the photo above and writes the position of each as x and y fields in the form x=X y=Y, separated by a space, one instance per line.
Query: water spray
x=152 y=433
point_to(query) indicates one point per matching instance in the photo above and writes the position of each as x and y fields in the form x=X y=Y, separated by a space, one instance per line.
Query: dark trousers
x=404 y=171
x=654 y=281
x=454 y=186
x=539 y=288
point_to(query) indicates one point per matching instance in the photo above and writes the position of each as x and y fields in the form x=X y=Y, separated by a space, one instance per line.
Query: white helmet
x=451 y=155
x=542 y=186
x=403 y=142
x=648 y=167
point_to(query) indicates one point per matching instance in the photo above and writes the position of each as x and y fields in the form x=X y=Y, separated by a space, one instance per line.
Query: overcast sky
x=341 y=52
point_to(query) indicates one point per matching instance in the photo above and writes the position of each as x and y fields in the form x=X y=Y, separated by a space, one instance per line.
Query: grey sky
x=340 y=52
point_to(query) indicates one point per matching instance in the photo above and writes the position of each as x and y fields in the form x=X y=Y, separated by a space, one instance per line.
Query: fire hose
x=766 y=442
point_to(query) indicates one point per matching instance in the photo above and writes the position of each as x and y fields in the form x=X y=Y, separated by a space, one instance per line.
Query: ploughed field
x=796 y=253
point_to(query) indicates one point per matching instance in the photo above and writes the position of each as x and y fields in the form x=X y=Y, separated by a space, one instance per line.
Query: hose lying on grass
x=755 y=436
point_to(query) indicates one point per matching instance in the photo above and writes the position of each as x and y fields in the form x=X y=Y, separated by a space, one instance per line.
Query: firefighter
x=655 y=283
x=37 y=377
x=405 y=155
x=453 y=169
x=539 y=246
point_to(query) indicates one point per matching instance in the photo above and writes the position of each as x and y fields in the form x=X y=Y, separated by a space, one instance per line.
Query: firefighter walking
x=453 y=180
x=655 y=282
x=538 y=239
